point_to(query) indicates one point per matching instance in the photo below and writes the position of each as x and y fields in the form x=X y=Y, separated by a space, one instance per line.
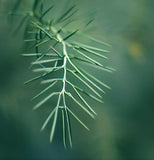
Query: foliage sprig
x=57 y=53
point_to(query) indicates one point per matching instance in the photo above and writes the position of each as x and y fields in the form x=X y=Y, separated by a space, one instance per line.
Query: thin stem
x=63 y=91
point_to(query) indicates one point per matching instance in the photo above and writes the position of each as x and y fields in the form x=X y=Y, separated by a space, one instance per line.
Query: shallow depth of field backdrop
x=123 y=129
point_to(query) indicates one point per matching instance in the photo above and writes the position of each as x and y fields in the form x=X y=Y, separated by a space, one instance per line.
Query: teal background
x=123 y=129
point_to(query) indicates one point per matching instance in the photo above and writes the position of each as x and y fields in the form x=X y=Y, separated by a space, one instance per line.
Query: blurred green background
x=124 y=127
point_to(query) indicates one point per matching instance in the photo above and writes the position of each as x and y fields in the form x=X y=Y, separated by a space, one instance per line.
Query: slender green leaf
x=98 y=41
x=54 y=125
x=92 y=89
x=39 y=54
x=97 y=80
x=48 y=119
x=86 y=93
x=92 y=60
x=93 y=52
x=35 y=4
x=81 y=59
x=64 y=131
x=55 y=119
x=51 y=80
x=42 y=42
x=46 y=12
x=45 y=99
x=46 y=32
x=47 y=69
x=71 y=15
x=90 y=21
x=30 y=40
x=85 y=76
x=43 y=91
x=59 y=54
x=70 y=35
x=90 y=95
x=36 y=78
x=89 y=47
x=76 y=101
x=43 y=54
x=106 y=69
x=83 y=100
x=65 y=14
x=46 y=61
x=78 y=119
x=41 y=7
x=68 y=127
